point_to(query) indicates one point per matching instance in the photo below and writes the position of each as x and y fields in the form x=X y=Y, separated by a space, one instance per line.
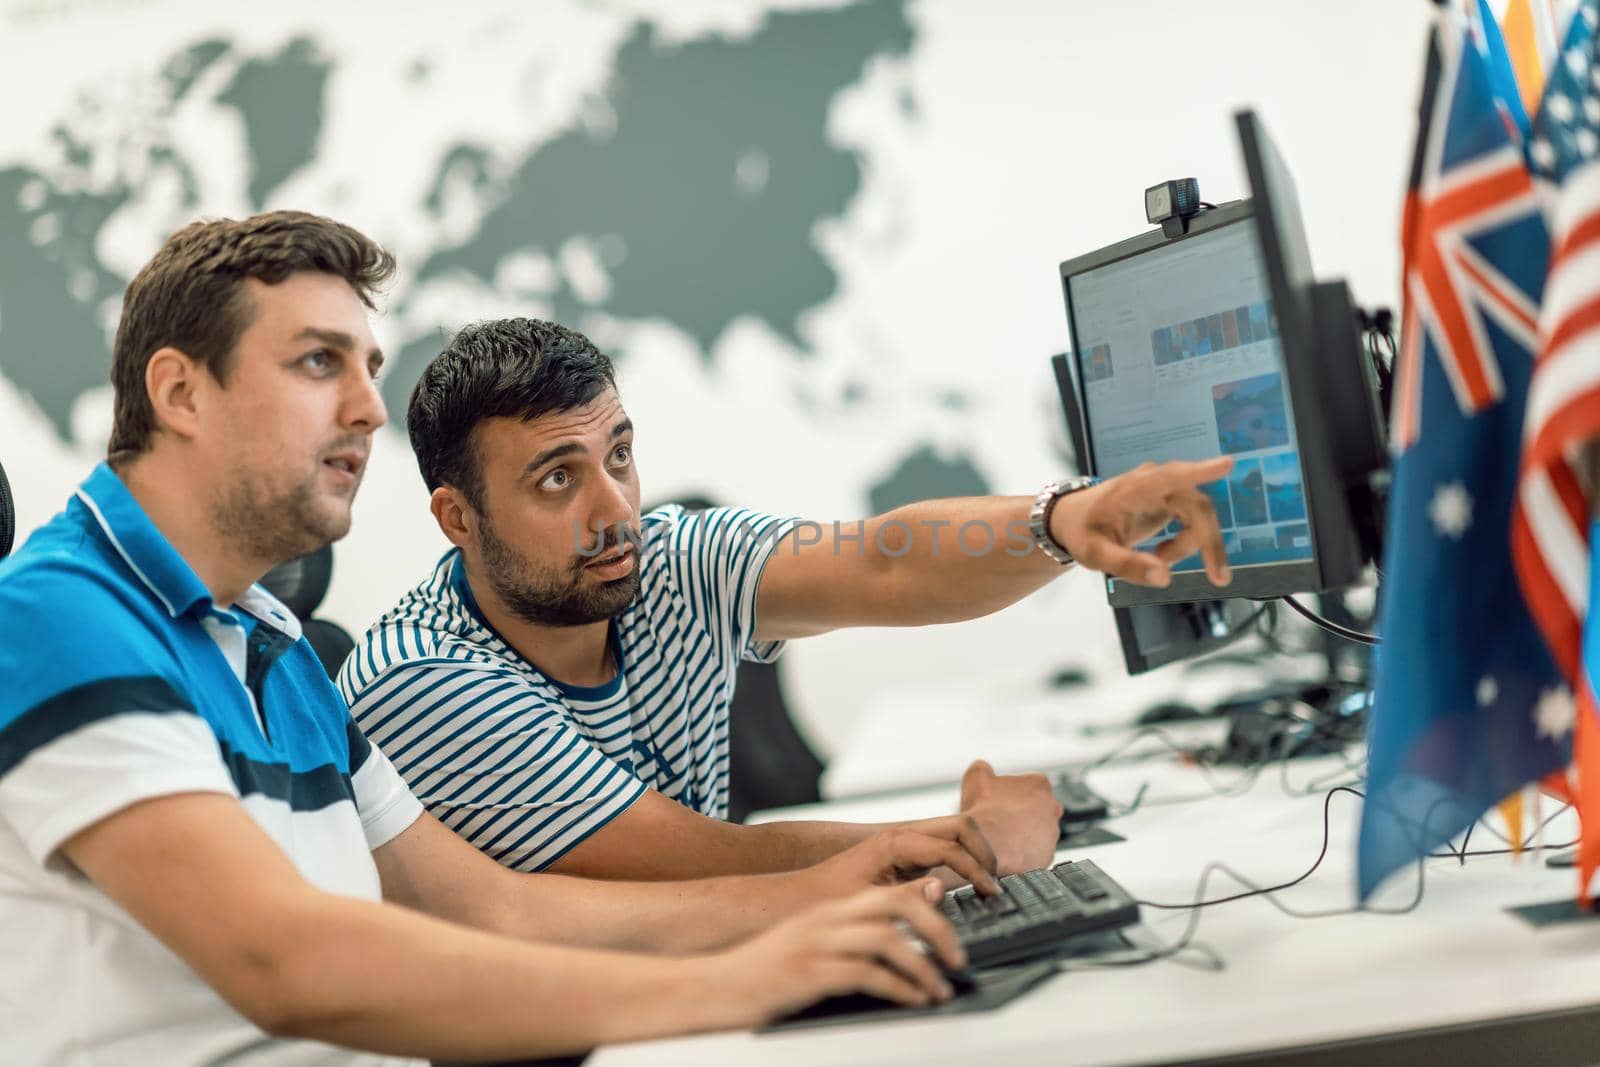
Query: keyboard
x=1037 y=912
x=1079 y=803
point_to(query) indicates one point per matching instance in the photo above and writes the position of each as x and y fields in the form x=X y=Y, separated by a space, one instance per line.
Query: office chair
x=8 y=515
x=301 y=584
x=770 y=765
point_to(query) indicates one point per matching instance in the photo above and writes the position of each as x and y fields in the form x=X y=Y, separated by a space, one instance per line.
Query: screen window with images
x=1179 y=356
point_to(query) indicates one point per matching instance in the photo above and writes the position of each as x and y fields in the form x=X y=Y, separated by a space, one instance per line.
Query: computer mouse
x=1168 y=711
x=961 y=979
x=963 y=982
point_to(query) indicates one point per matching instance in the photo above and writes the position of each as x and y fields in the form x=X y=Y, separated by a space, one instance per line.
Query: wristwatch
x=1039 y=516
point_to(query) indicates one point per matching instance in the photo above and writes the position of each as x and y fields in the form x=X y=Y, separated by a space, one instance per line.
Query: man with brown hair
x=202 y=859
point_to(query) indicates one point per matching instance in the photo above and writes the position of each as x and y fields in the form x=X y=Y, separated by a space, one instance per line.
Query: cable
x=1185 y=940
x=1320 y=729
x=1267 y=891
x=1221 y=789
x=1210 y=960
x=1267 y=625
x=1322 y=782
x=1131 y=806
x=1527 y=844
x=1327 y=802
x=1462 y=856
x=1462 y=853
x=1331 y=626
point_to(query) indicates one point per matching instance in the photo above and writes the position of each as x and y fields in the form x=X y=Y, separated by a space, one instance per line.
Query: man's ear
x=171 y=381
x=456 y=519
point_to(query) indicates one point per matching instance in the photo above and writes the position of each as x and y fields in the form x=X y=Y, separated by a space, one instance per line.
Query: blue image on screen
x=1252 y=490
x=1218 y=492
x=1248 y=492
x=1251 y=414
x=1286 y=494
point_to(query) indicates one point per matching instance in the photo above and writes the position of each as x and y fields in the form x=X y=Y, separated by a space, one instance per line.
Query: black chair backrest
x=8 y=516
x=301 y=583
x=770 y=765
x=330 y=642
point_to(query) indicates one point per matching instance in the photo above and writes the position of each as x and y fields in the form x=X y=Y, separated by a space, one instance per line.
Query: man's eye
x=556 y=479
x=623 y=455
x=318 y=360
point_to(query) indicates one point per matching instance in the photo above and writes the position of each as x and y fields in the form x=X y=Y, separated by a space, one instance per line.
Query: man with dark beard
x=203 y=861
x=557 y=689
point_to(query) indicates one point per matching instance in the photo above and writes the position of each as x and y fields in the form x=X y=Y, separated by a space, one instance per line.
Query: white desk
x=1288 y=982
x=916 y=738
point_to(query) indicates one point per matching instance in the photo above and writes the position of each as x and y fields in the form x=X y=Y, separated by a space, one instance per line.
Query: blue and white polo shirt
x=123 y=681
x=525 y=767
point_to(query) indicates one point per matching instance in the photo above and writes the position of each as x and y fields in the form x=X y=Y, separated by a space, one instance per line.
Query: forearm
x=952 y=560
x=782 y=846
x=669 y=916
x=632 y=847
x=391 y=980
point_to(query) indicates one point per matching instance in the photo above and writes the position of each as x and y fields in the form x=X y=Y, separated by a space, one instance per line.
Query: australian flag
x=1469 y=705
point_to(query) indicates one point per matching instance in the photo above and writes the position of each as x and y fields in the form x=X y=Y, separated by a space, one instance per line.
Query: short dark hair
x=503 y=368
x=191 y=297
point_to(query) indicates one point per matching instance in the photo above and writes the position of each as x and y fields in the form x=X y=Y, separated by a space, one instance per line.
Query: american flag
x=1466 y=690
x=1553 y=517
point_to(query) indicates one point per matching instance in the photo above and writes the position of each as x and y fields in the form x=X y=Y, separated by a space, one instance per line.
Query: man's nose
x=611 y=507
x=363 y=404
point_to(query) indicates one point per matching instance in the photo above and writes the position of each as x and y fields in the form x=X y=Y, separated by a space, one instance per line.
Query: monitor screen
x=1179 y=358
x=1154 y=635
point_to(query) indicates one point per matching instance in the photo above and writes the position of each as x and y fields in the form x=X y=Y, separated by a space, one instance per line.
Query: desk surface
x=1287 y=982
x=916 y=738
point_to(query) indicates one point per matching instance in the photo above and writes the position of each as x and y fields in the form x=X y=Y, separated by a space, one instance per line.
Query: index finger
x=972 y=838
x=1199 y=517
x=960 y=859
x=1186 y=473
x=918 y=851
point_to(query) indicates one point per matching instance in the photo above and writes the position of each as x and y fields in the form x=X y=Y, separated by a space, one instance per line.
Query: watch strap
x=1039 y=516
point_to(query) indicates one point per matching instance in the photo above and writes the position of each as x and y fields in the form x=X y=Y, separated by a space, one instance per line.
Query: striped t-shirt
x=526 y=767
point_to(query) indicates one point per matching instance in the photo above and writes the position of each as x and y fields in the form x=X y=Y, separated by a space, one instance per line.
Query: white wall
x=1037 y=127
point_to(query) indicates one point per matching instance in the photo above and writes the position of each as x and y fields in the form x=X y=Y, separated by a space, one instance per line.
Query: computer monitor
x=1154 y=635
x=1348 y=470
x=1214 y=342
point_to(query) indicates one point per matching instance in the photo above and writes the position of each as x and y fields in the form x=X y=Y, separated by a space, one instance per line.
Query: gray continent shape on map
x=53 y=346
x=925 y=475
x=280 y=98
x=698 y=250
